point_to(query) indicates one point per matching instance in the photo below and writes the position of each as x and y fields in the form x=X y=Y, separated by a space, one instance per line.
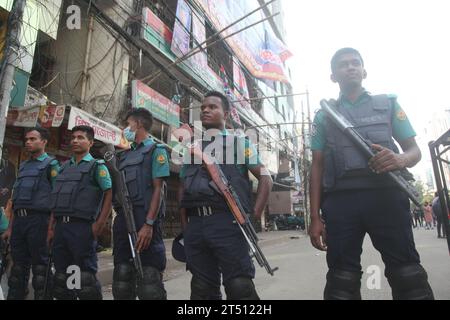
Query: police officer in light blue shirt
x=146 y=166
x=354 y=193
x=31 y=206
x=81 y=202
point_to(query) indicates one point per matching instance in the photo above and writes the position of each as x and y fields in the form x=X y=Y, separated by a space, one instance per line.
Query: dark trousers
x=29 y=240
x=74 y=244
x=382 y=213
x=153 y=256
x=418 y=222
x=28 y=248
x=440 y=226
x=215 y=246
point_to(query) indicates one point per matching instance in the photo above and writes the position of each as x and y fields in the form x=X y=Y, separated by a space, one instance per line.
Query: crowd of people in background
x=429 y=217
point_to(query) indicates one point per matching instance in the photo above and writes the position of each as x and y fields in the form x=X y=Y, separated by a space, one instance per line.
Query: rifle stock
x=345 y=126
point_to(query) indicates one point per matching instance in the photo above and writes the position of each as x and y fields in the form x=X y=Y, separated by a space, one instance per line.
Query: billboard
x=161 y=107
x=257 y=47
x=160 y=36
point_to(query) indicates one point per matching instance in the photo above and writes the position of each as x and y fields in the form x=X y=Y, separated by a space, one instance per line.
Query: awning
x=104 y=131
x=53 y=116
x=46 y=116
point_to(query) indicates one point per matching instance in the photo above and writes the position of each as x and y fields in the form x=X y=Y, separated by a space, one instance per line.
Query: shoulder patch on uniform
x=401 y=115
x=102 y=173
x=161 y=159
x=248 y=152
x=54 y=173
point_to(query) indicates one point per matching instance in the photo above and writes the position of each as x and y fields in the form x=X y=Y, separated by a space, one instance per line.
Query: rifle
x=365 y=146
x=123 y=198
x=48 y=272
x=223 y=187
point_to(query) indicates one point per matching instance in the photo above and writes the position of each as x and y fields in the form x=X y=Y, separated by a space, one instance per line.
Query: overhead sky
x=405 y=46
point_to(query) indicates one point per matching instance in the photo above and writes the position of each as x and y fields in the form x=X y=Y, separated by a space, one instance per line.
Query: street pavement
x=302 y=269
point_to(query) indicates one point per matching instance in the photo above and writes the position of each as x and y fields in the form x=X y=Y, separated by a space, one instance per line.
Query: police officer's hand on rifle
x=144 y=238
x=386 y=160
x=318 y=234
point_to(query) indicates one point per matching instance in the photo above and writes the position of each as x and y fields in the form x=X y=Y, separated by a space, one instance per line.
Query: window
x=43 y=63
x=219 y=56
x=165 y=10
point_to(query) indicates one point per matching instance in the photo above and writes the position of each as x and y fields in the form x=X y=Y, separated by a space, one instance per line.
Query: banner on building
x=51 y=116
x=256 y=47
x=23 y=117
x=162 y=108
x=181 y=30
x=155 y=31
x=240 y=83
x=160 y=36
x=103 y=131
x=199 y=32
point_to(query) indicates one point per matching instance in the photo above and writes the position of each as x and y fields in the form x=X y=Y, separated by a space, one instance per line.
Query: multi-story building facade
x=94 y=60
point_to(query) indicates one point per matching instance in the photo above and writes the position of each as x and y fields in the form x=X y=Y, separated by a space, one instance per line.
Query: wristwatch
x=150 y=222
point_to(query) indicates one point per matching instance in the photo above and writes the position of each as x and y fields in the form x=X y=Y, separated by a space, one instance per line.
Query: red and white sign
x=103 y=131
x=23 y=117
x=52 y=116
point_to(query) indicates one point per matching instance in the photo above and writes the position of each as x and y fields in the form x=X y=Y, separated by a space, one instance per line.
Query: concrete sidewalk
x=174 y=268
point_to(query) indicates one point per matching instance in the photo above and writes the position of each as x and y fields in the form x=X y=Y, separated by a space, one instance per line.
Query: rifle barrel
x=348 y=129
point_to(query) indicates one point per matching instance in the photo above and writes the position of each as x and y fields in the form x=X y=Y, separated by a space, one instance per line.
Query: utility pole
x=305 y=163
x=11 y=51
x=304 y=175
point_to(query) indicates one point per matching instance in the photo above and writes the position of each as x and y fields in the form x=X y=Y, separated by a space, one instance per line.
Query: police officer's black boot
x=342 y=285
x=202 y=290
x=18 y=282
x=124 y=282
x=90 y=287
x=60 y=290
x=409 y=282
x=151 y=287
x=240 y=288
x=39 y=277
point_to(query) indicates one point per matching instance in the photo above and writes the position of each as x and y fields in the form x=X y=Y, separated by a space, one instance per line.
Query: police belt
x=22 y=213
x=69 y=219
x=204 y=211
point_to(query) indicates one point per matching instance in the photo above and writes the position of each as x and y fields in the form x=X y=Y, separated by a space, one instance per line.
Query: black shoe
x=100 y=248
